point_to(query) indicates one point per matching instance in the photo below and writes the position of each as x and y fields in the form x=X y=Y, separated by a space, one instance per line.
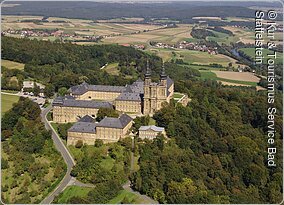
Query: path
x=145 y=198
x=65 y=154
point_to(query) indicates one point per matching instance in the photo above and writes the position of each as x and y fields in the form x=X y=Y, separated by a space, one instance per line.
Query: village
x=188 y=46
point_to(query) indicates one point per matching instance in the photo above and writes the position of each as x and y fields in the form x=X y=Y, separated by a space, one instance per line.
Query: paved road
x=68 y=180
x=38 y=100
x=75 y=182
x=65 y=154
x=145 y=198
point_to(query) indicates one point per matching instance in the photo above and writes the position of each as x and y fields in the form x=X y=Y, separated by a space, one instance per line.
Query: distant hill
x=183 y=11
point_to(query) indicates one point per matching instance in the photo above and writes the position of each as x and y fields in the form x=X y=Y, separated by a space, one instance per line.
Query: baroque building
x=141 y=97
x=155 y=94
x=150 y=132
x=108 y=130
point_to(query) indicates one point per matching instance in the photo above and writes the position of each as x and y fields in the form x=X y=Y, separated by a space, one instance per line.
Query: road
x=65 y=154
x=68 y=180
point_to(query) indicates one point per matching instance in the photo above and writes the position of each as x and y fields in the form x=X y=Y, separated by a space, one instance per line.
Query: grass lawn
x=178 y=95
x=112 y=69
x=207 y=75
x=12 y=64
x=251 y=53
x=54 y=125
x=7 y=102
x=152 y=121
x=72 y=191
x=123 y=194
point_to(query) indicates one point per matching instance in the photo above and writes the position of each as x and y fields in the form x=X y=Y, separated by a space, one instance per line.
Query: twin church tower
x=155 y=94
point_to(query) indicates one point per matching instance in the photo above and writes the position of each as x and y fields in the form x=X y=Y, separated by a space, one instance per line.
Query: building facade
x=108 y=130
x=150 y=132
x=155 y=94
x=67 y=109
x=141 y=97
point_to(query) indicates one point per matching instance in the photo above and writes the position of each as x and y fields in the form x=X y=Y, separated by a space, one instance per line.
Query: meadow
x=12 y=64
x=229 y=78
x=72 y=191
x=192 y=56
x=7 y=102
x=251 y=52
x=165 y=35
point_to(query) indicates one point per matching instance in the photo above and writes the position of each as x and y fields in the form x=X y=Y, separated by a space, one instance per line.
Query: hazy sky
x=146 y=0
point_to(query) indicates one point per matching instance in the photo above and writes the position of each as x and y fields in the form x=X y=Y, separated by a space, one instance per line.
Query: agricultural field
x=7 y=102
x=193 y=57
x=222 y=38
x=165 y=35
x=12 y=64
x=121 y=20
x=251 y=52
x=71 y=26
x=230 y=75
x=230 y=78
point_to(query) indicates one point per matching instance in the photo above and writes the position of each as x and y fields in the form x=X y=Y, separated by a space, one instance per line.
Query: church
x=140 y=98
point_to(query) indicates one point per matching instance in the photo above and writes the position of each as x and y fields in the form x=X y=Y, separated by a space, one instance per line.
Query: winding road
x=68 y=180
x=65 y=154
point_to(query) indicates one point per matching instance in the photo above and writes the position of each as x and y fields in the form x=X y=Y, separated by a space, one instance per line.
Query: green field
x=124 y=196
x=192 y=56
x=7 y=102
x=152 y=121
x=112 y=69
x=73 y=191
x=212 y=76
x=222 y=38
x=12 y=65
x=251 y=53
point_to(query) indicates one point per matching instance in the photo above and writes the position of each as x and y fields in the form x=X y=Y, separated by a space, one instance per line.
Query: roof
x=152 y=127
x=129 y=96
x=85 y=127
x=86 y=118
x=60 y=99
x=84 y=87
x=169 y=82
x=70 y=102
x=111 y=122
x=86 y=103
x=107 y=88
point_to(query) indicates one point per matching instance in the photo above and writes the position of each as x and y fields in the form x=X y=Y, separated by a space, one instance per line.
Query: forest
x=31 y=166
x=65 y=64
x=216 y=151
x=173 y=11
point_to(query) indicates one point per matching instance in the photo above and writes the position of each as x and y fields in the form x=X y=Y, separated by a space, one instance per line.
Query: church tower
x=162 y=91
x=163 y=76
x=147 y=91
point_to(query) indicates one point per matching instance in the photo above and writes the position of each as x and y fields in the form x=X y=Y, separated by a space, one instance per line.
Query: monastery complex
x=82 y=105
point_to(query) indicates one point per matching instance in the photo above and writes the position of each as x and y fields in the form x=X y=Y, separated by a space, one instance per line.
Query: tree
x=49 y=90
x=103 y=112
x=79 y=144
x=36 y=90
x=62 y=91
x=99 y=143
x=62 y=130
